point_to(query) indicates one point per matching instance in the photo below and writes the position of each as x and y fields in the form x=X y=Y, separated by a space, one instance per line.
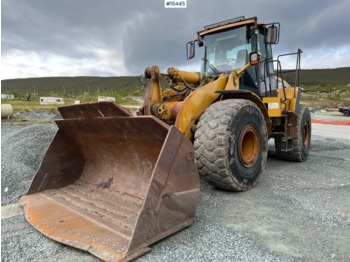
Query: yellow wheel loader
x=112 y=183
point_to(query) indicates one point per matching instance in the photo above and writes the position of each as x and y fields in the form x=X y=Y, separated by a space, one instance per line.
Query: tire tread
x=210 y=145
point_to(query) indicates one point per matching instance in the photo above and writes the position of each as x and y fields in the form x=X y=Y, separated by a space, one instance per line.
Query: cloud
x=90 y=37
x=154 y=39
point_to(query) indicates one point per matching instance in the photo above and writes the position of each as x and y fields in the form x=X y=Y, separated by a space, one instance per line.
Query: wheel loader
x=112 y=183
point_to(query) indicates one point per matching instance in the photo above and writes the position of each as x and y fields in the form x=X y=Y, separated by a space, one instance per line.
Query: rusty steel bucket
x=113 y=184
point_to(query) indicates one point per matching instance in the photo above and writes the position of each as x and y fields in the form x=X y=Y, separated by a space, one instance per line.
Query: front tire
x=231 y=144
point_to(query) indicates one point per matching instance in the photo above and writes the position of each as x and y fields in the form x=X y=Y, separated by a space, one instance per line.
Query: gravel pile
x=297 y=212
x=21 y=153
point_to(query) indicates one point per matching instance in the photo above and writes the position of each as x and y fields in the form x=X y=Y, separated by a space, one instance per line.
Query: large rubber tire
x=301 y=144
x=231 y=144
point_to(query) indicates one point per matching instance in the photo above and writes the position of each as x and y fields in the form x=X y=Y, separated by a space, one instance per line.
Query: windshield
x=226 y=51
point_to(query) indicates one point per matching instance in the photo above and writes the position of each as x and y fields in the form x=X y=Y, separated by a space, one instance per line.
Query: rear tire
x=346 y=113
x=231 y=144
x=301 y=144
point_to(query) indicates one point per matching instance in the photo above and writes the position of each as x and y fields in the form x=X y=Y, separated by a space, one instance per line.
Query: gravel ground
x=297 y=212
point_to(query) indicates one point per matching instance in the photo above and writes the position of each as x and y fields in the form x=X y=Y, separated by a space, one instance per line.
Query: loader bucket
x=113 y=184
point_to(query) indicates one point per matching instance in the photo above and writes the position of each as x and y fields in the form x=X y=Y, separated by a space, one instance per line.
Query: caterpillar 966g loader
x=113 y=184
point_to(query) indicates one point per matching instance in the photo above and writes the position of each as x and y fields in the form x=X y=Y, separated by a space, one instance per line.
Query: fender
x=196 y=103
x=245 y=94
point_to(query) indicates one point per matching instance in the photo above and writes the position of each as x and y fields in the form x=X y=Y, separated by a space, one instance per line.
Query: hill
x=315 y=80
x=321 y=77
x=73 y=86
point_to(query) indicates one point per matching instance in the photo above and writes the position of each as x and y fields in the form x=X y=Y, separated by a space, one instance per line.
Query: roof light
x=226 y=22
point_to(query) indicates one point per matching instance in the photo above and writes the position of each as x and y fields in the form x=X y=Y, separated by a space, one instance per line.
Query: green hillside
x=129 y=85
x=321 y=77
x=73 y=86
x=324 y=88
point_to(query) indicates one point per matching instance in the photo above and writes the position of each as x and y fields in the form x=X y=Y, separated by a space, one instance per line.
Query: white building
x=51 y=100
x=6 y=96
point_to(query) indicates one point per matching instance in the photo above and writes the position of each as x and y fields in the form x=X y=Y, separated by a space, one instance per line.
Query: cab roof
x=226 y=24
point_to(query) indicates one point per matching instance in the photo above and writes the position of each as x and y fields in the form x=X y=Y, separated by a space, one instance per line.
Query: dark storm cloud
x=61 y=27
x=314 y=24
x=156 y=39
x=139 y=33
x=304 y=24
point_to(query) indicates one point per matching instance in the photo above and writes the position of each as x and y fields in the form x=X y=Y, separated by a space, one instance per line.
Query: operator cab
x=227 y=46
x=226 y=51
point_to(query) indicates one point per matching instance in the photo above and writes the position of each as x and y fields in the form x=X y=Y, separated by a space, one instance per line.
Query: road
x=297 y=212
x=331 y=131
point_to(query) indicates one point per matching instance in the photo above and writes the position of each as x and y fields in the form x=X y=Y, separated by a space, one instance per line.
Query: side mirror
x=190 y=49
x=272 y=34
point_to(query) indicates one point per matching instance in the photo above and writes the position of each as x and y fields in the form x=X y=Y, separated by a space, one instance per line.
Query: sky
x=41 y=38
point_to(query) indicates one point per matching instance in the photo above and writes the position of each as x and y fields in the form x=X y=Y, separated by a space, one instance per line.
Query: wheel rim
x=306 y=135
x=249 y=146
